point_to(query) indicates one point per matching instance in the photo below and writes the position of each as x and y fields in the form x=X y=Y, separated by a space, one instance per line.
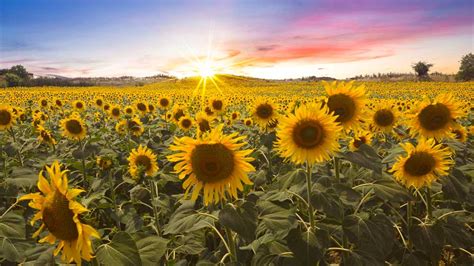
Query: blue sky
x=270 y=39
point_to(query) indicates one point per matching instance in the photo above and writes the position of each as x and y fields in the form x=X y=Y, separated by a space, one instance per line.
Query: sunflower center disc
x=217 y=105
x=212 y=162
x=178 y=115
x=359 y=141
x=164 y=102
x=384 y=117
x=186 y=123
x=99 y=102
x=58 y=218
x=264 y=111
x=434 y=116
x=419 y=164
x=79 y=105
x=308 y=134
x=343 y=107
x=143 y=161
x=204 y=126
x=74 y=126
x=141 y=107
x=115 y=112
x=5 y=117
x=44 y=102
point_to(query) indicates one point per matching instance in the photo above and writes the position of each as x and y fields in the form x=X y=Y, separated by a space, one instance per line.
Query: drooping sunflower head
x=203 y=122
x=436 y=119
x=135 y=126
x=213 y=163
x=359 y=138
x=7 y=117
x=310 y=135
x=346 y=102
x=59 y=212
x=185 y=123
x=264 y=111
x=142 y=161
x=73 y=127
x=422 y=164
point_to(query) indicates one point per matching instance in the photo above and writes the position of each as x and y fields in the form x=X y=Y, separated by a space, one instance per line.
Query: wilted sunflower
x=310 y=135
x=362 y=137
x=7 y=118
x=264 y=111
x=142 y=160
x=73 y=127
x=212 y=163
x=435 y=120
x=59 y=213
x=383 y=118
x=346 y=102
x=422 y=164
x=185 y=123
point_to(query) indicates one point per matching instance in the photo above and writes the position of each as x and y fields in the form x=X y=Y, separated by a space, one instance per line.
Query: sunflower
x=141 y=107
x=178 y=112
x=203 y=122
x=383 y=118
x=213 y=163
x=346 y=102
x=142 y=160
x=185 y=123
x=103 y=163
x=248 y=122
x=164 y=103
x=217 y=105
x=73 y=127
x=310 y=135
x=234 y=116
x=459 y=133
x=43 y=102
x=362 y=137
x=422 y=164
x=121 y=127
x=129 y=110
x=58 y=102
x=99 y=102
x=60 y=215
x=7 y=118
x=106 y=107
x=264 y=111
x=45 y=136
x=115 y=112
x=135 y=127
x=79 y=105
x=435 y=120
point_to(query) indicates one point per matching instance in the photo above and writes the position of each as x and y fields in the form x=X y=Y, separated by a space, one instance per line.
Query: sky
x=258 y=38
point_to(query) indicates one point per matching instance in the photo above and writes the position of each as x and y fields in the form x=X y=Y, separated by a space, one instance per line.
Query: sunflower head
x=185 y=123
x=45 y=136
x=217 y=105
x=142 y=161
x=264 y=111
x=99 y=102
x=248 y=122
x=422 y=164
x=103 y=163
x=73 y=127
x=383 y=118
x=213 y=163
x=164 y=102
x=141 y=107
x=203 y=122
x=436 y=119
x=7 y=117
x=346 y=102
x=79 y=105
x=310 y=135
x=115 y=112
x=363 y=137
x=43 y=102
x=59 y=212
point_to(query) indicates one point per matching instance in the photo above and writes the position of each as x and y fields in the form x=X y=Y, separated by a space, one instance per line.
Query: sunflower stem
x=309 y=189
x=83 y=161
x=409 y=223
x=429 y=206
x=336 y=169
x=114 y=197
x=153 y=194
x=232 y=246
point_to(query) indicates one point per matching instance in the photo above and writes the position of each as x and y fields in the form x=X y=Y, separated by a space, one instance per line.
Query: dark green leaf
x=122 y=250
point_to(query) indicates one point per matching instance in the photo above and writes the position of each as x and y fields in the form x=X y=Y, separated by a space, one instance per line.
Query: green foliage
x=466 y=69
x=422 y=69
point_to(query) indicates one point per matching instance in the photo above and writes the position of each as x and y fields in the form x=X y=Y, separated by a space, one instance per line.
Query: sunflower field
x=249 y=172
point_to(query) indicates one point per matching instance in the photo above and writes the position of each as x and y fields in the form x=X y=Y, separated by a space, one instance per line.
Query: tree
x=466 y=70
x=422 y=69
x=12 y=80
x=20 y=71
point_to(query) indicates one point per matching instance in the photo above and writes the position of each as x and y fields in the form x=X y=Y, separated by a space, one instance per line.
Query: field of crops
x=253 y=172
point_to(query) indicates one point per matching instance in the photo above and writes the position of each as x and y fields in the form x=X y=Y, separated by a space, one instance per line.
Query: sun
x=206 y=69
